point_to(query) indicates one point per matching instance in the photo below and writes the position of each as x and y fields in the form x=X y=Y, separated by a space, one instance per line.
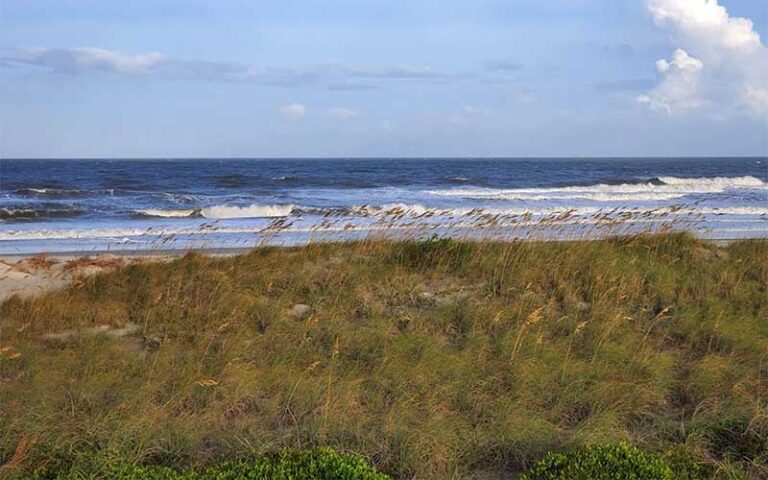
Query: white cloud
x=721 y=60
x=85 y=59
x=294 y=111
x=342 y=113
x=679 y=89
x=707 y=23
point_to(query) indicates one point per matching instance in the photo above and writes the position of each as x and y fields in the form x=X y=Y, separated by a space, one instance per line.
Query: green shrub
x=602 y=462
x=103 y=470
x=318 y=464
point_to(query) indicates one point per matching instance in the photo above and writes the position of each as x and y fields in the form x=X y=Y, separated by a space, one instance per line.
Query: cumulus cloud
x=679 y=89
x=721 y=59
x=342 y=113
x=294 y=111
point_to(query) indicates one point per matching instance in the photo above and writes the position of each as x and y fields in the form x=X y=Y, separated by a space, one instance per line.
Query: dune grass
x=437 y=359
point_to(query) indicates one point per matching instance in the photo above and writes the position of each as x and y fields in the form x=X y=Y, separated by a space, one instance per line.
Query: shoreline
x=230 y=251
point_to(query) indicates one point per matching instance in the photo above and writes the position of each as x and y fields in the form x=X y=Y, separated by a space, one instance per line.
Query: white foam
x=746 y=181
x=222 y=212
x=251 y=211
x=445 y=217
x=118 y=233
x=671 y=189
x=154 y=212
x=600 y=193
x=759 y=211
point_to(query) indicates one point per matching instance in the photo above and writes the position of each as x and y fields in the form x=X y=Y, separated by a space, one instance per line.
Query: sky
x=383 y=78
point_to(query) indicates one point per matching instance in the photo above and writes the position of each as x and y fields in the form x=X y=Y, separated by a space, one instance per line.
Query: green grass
x=619 y=461
x=434 y=359
x=318 y=464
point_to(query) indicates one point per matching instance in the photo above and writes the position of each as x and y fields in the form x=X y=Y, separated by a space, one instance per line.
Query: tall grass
x=435 y=359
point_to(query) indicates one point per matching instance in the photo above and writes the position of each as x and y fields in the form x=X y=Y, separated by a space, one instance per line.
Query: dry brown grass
x=437 y=359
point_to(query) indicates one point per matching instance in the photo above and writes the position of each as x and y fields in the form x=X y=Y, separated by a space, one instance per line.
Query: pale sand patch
x=17 y=278
x=33 y=275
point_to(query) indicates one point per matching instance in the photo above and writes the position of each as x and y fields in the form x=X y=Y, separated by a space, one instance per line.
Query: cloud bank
x=76 y=60
x=89 y=60
x=721 y=59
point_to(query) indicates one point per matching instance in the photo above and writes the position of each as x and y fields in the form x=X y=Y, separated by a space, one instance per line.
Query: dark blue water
x=63 y=205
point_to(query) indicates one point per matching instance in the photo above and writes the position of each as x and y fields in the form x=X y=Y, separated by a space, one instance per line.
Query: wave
x=251 y=211
x=759 y=211
x=391 y=209
x=273 y=211
x=156 y=212
x=732 y=182
x=60 y=192
x=459 y=219
x=402 y=216
x=176 y=197
x=418 y=210
x=458 y=179
x=660 y=189
x=599 y=193
x=28 y=214
x=221 y=212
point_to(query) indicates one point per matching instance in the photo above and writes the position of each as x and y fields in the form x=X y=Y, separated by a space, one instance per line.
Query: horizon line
x=384 y=157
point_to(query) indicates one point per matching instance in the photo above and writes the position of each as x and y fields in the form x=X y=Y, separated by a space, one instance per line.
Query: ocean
x=86 y=206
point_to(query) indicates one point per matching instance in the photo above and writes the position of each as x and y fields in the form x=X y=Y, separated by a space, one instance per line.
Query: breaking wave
x=659 y=189
x=221 y=212
x=462 y=218
x=725 y=182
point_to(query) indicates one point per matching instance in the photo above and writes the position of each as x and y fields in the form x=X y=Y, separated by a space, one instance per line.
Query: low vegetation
x=437 y=359
x=611 y=462
x=318 y=464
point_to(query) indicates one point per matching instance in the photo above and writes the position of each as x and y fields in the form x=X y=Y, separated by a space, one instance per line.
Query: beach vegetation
x=442 y=359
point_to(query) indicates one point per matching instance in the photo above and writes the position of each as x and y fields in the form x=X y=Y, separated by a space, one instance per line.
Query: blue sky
x=193 y=78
